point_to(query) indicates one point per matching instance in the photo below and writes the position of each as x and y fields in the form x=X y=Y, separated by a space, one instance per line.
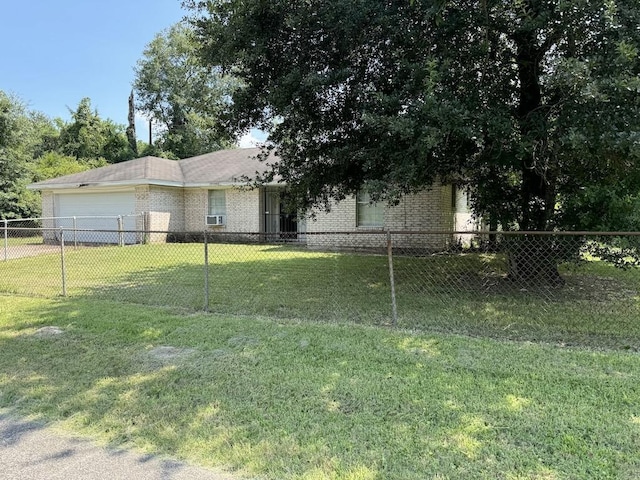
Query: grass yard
x=462 y=294
x=285 y=399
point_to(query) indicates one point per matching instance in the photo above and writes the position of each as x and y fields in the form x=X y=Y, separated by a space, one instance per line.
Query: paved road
x=30 y=451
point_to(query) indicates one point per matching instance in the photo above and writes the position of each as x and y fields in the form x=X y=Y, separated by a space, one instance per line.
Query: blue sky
x=56 y=52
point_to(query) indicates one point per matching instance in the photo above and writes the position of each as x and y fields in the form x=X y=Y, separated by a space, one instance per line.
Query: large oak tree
x=533 y=105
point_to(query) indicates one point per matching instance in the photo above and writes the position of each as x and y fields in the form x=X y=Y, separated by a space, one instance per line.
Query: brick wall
x=429 y=210
x=195 y=209
x=184 y=210
x=168 y=201
x=142 y=206
x=48 y=211
x=163 y=208
x=243 y=211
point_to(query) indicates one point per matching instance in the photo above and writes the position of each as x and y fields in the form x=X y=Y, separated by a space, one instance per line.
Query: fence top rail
x=576 y=233
x=78 y=217
x=354 y=232
x=71 y=229
x=436 y=232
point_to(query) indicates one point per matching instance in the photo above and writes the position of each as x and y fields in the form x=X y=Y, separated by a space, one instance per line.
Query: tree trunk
x=493 y=238
x=533 y=261
x=533 y=258
x=131 y=129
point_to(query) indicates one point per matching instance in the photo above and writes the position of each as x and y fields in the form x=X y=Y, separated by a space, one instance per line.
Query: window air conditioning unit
x=215 y=219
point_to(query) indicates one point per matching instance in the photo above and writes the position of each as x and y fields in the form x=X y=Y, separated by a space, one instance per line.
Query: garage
x=90 y=211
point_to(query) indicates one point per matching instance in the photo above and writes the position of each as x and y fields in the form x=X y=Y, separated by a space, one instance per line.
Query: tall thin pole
x=206 y=273
x=6 y=240
x=75 y=233
x=63 y=265
x=394 y=306
x=120 y=231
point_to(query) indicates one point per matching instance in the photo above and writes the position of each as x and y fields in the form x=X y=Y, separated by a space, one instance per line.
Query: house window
x=368 y=214
x=217 y=203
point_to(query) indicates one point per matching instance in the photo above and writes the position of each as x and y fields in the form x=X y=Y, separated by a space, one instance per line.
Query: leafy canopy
x=23 y=135
x=88 y=137
x=54 y=164
x=33 y=148
x=184 y=97
x=533 y=105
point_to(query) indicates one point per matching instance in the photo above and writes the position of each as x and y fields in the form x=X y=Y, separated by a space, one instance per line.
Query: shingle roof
x=224 y=167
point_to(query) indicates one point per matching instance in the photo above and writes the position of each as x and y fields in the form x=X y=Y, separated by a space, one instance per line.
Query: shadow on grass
x=454 y=294
x=464 y=293
x=300 y=400
x=313 y=287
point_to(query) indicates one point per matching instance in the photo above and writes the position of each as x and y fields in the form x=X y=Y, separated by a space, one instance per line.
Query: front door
x=279 y=223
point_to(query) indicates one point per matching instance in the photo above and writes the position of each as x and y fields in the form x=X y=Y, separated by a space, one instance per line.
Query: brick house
x=209 y=192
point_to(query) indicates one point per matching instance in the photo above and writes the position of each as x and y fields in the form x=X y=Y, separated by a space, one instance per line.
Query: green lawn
x=290 y=399
x=300 y=375
x=462 y=294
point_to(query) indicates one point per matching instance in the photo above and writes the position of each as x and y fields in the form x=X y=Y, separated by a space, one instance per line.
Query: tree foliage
x=33 y=148
x=23 y=135
x=533 y=105
x=131 y=125
x=53 y=164
x=184 y=97
x=89 y=137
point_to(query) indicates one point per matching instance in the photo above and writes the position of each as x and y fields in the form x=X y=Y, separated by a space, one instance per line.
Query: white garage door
x=97 y=211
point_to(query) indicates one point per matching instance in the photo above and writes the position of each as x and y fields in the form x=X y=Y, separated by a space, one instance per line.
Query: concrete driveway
x=31 y=451
x=20 y=251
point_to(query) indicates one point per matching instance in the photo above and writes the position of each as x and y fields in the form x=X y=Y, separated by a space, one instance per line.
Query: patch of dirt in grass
x=49 y=331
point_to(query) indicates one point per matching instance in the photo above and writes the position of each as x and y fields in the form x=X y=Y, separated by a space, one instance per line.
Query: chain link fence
x=450 y=281
x=123 y=229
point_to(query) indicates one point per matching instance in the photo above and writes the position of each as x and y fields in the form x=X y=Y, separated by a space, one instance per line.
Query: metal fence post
x=394 y=306
x=206 y=273
x=63 y=265
x=6 y=239
x=75 y=233
x=143 y=235
x=120 y=234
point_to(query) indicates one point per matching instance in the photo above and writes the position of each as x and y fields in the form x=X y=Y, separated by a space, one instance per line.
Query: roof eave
x=122 y=183
x=227 y=184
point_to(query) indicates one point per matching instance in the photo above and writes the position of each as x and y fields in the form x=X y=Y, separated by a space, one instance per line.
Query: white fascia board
x=124 y=183
x=229 y=184
x=106 y=189
x=215 y=184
